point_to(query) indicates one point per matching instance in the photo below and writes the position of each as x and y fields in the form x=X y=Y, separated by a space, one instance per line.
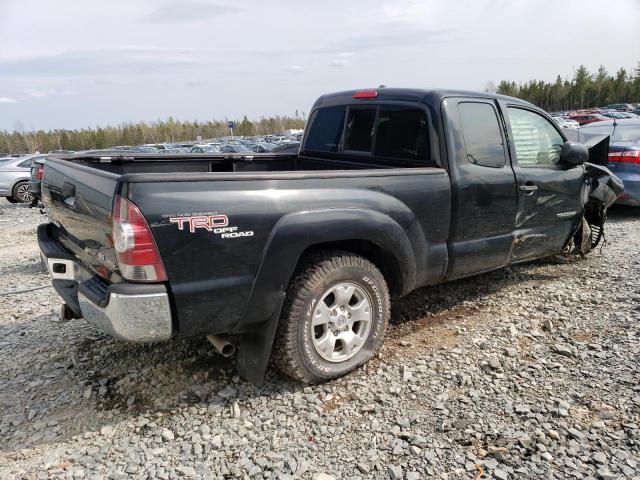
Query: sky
x=81 y=63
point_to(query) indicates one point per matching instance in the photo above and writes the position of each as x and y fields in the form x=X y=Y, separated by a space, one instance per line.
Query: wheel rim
x=341 y=322
x=22 y=193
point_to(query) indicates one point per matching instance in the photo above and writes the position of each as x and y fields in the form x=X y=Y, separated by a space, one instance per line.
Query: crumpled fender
x=605 y=186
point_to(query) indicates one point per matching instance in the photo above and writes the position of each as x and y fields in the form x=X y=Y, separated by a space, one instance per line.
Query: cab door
x=549 y=194
x=483 y=190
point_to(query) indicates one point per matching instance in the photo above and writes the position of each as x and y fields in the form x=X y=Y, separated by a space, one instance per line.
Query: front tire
x=334 y=318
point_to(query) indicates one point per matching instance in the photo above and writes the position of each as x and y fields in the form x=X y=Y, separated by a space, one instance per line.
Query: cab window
x=358 y=135
x=325 y=129
x=537 y=142
x=482 y=136
x=402 y=133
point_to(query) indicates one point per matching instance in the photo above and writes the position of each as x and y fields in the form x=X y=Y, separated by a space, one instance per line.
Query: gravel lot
x=532 y=372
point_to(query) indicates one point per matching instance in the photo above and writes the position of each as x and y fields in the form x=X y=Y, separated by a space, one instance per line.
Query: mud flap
x=254 y=349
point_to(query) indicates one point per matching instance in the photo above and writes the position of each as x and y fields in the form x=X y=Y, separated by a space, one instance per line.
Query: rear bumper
x=142 y=317
x=132 y=312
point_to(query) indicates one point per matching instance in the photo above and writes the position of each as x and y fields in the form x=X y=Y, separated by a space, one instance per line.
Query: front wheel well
x=381 y=258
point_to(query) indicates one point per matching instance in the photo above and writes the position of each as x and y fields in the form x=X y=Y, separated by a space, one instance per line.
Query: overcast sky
x=71 y=64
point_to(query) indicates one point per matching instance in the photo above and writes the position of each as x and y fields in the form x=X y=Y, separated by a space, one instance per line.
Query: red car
x=584 y=119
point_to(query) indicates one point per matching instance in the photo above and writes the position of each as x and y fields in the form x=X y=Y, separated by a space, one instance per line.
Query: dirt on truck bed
x=533 y=371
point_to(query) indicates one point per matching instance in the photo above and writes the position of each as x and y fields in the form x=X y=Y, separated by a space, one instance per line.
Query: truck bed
x=121 y=164
x=259 y=196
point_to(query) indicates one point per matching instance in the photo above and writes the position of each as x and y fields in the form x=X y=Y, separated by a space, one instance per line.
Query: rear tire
x=334 y=318
x=21 y=192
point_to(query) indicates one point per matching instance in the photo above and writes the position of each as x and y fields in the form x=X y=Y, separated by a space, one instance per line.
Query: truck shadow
x=432 y=301
x=78 y=380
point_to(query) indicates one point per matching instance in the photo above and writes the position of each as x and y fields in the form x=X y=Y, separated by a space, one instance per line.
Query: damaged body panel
x=428 y=186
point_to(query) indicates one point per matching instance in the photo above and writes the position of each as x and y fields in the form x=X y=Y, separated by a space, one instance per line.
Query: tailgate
x=79 y=199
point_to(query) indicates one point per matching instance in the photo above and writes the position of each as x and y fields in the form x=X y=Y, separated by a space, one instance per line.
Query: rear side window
x=359 y=133
x=482 y=137
x=402 y=133
x=26 y=163
x=325 y=129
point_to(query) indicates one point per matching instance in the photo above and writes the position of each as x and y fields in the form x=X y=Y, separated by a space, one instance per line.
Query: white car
x=566 y=122
x=15 y=173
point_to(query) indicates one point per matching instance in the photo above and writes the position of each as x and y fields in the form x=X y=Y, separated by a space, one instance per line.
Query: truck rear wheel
x=334 y=319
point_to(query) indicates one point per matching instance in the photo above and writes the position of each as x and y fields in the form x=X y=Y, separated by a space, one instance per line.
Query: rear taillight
x=39 y=172
x=631 y=156
x=136 y=250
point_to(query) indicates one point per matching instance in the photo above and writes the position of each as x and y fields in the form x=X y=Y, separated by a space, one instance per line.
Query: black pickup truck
x=296 y=256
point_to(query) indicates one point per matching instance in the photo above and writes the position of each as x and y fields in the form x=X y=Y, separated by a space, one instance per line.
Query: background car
x=622 y=107
x=235 y=149
x=624 y=154
x=618 y=115
x=291 y=147
x=35 y=180
x=204 y=149
x=14 y=178
x=262 y=147
x=565 y=122
x=586 y=118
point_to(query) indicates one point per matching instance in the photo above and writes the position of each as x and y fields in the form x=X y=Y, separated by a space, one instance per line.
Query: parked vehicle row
x=585 y=116
x=299 y=253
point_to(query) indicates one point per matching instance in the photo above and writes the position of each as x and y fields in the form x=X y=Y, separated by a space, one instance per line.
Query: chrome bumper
x=135 y=317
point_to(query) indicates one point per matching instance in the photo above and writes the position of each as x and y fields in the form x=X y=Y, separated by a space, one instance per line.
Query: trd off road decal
x=213 y=222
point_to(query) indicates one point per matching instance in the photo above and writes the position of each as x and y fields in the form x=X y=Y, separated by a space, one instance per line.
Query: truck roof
x=427 y=96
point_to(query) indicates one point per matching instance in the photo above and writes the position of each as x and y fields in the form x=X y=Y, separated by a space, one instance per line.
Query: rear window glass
x=402 y=133
x=626 y=134
x=482 y=136
x=325 y=129
x=359 y=132
x=620 y=134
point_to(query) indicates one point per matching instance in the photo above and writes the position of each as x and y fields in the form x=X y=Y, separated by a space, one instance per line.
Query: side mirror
x=574 y=153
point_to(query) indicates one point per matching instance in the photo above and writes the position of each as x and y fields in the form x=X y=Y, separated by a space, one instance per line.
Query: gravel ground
x=528 y=372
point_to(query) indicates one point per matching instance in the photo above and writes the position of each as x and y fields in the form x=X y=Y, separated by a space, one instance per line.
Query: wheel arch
x=19 y=180
x=368 y=233
x=384 y=260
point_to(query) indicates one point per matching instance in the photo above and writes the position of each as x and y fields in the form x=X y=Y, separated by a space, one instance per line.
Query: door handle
x=528 y=188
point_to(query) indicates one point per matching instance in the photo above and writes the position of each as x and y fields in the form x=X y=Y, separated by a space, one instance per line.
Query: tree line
x=160 y=131
x=584 y=90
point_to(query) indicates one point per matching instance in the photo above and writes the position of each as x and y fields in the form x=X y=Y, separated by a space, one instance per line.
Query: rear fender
x=291 y=236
